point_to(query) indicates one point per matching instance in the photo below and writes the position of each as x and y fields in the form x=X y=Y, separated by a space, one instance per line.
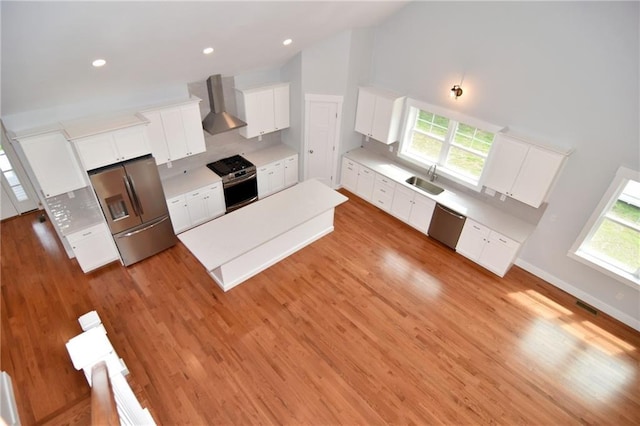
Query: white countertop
x=269 y=155
x=219 y=241
x=512 y=227
x=189 y=181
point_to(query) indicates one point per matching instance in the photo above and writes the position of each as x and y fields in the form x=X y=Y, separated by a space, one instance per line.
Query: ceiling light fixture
x=287 y=42
x=456 y=92
x=98 y=63
x=207 y=50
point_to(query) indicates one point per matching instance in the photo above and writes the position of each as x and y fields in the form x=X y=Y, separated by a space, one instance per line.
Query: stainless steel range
x=238 y=181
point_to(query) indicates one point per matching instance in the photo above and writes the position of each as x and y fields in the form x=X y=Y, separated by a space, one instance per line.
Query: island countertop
x=222 y=240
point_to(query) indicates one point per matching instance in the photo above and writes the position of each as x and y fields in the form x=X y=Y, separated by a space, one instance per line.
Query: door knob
x=310 y=151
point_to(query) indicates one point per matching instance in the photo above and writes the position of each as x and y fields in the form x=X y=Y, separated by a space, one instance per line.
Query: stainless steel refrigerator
x=133 y=203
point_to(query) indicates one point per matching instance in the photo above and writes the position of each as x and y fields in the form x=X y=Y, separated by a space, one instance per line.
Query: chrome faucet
x=432 y=172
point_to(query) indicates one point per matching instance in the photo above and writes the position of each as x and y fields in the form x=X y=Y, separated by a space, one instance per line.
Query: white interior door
x=16 y=186
x=322 y=131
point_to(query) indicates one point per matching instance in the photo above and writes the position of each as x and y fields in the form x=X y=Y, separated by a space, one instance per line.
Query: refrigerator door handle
x=135 y=195
x=130 y=193
x=137 y=231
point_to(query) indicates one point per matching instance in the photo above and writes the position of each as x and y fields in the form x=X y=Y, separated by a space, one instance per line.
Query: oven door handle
x=239 y=181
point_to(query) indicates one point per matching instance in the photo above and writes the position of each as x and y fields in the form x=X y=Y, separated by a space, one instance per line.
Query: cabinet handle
x=476 y=228
x=310 y=151
x=88 y=233
x=501 y=240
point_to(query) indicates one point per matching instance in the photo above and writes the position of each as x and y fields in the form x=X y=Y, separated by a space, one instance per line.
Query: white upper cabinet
x=53 y=163
x=175 y=131
x=378 y=114
x=521 y=170
x=264 y=109
x=112 y=147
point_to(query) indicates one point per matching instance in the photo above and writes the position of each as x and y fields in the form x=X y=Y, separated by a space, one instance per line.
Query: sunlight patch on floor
x=418 y=279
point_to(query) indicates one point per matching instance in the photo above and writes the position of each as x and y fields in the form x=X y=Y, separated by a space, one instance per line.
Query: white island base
x=237 y=246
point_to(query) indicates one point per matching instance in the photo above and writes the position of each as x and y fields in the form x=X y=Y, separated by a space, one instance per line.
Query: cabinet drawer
x=495 y=237
x=383 y=180
x=88 y=232
x=176 y=200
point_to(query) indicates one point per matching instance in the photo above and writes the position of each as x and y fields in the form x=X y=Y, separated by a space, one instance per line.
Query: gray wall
x=562 y=74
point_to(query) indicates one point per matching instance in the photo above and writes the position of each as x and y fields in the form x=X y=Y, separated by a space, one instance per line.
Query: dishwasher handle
x=449 y=211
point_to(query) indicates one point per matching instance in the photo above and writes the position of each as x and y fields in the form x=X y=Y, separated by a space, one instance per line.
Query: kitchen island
x=237 y=246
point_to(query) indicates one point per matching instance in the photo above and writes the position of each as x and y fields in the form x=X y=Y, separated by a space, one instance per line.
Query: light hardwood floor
x=374 y=323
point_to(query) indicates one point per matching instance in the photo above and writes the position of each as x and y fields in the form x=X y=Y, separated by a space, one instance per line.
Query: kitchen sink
x=425 y=185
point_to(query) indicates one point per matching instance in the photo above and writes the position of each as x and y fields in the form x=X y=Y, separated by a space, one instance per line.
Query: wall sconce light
x=456 y=92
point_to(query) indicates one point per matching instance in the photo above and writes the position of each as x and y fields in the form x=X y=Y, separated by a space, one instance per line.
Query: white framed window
x=610 y=240
x=458 y=145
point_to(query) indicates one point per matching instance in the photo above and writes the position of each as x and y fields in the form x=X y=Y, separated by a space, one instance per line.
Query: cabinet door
x=131 y=143
x=258 y=113
x=97 y=151
x=402 y=203
x=174 y=133
x=52 y=160
x=214 y=201
x=179 y=213
x=194 y=135
x=262 y=176
x=281 y=107
x=349 y=175
x=472 y=240
x=276 y=177
x=538 y=170
x=507 y=156
x=366 y=178
x=421 y=212
x=156 y=136
x=93 y=247
x=382 y=114
x=291 y=170
x=365 y=111
x=197 y=206
x=498 y=253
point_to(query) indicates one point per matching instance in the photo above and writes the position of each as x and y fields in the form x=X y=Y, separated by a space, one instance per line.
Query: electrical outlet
x=169 y=165
x=503 y=197
x=390 y=148
x=489 y=191
x=71 y=194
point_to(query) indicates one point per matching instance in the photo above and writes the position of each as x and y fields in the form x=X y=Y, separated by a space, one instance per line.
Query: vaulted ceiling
x=48 y=47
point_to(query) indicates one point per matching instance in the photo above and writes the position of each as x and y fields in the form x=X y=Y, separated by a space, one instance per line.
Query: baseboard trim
x=565 y=286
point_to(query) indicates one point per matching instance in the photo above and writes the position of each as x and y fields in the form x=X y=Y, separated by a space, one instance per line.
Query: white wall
x=561 y=73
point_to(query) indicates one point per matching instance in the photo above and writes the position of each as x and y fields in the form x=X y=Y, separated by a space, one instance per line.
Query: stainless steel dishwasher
x=446 y=226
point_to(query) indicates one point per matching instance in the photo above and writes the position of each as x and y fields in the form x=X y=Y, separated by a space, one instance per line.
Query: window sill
x=441 y=171
x=607 y=269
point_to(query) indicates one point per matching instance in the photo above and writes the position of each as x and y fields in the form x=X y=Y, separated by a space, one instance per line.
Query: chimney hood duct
x=218 y=120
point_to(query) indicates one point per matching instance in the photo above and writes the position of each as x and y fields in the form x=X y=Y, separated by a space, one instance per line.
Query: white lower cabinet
x=487 y=247
x=290 y=171
x=366 y=181
x=196 y=207
x=383 y=189
x=179 y=213
x=412 y=208
x=93 y=247
x=271 y=178
x=349 y=175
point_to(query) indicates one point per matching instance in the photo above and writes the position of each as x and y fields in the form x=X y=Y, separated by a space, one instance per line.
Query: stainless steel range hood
x=218 y=120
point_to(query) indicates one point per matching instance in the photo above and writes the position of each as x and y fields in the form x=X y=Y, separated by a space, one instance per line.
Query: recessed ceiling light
x=98 y=63
x=207 y=50
x=287 y=42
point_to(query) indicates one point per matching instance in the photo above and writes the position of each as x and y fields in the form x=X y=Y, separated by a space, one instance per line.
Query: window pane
x=617 y=244
x=475 y=139
x=19 y=192
x=465 y=162
x=425 y=146
x=11 y=178
x=4 y=163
